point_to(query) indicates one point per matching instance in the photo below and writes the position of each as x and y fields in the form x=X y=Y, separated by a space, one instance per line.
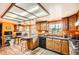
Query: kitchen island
x=31 y=42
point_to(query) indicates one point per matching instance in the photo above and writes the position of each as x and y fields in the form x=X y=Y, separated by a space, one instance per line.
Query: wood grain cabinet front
x=72 y=20
x=65 y=47
x=35 y=42
x=49 y=43
x=57 y=45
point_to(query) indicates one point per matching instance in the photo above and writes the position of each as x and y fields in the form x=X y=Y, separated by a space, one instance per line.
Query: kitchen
x=39 y=29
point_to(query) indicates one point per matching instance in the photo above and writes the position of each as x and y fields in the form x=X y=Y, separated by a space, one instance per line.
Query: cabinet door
x=65 y=47
x=35 y=43
x=72 y=21
x=57 y=45
x=49 y=43
x=38 y=26
x=65 y=23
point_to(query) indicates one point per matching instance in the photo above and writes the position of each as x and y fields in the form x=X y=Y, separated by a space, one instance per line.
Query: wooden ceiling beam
x=43 y=8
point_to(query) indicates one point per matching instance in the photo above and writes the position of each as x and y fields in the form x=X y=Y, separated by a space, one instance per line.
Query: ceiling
x=25 y=11
x=59 y=10
x=28 y=11
x=3 y=8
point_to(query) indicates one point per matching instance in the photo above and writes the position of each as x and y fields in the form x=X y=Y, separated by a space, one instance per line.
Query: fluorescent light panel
x=11 y=18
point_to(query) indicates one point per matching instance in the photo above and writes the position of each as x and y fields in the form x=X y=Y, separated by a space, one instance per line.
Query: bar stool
x=23 y=46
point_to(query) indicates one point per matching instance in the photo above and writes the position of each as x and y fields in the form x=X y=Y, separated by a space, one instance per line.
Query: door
x=65 y=47
x=49 y=43
x=57 y=45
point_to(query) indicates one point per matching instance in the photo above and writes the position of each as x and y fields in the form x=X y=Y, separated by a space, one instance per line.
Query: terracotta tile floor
x=16 y=50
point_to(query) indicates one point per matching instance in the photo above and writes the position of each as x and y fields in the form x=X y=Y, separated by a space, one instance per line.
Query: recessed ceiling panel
x=20 y=12
x=28 y=6
x=15 y=16
x=25 y=11
x=34 y=8
x=8 y=18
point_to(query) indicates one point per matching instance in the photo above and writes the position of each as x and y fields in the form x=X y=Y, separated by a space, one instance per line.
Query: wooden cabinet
x=65 y=47
x=35 y=42
x=72 y=20
x=41 y=26
x=44 y=26
x=77 y=20
x=38 y=26
x=49 y=43
x=58 y=45
x=65 y=23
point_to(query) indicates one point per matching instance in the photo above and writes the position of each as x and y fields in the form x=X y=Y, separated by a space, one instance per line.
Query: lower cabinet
x=32 y=44
x=65 y=47
x=58 y=45
x=35 y=42
x=49 y=44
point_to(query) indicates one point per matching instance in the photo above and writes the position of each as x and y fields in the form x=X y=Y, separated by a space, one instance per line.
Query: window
x=54 y=28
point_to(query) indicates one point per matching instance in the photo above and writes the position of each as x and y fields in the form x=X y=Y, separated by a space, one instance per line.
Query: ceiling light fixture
x=33 y=9
x=41 y=14
x=32 y=17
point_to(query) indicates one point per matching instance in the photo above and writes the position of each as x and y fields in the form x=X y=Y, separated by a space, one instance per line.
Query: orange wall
x=8 y=25
x=4 y=25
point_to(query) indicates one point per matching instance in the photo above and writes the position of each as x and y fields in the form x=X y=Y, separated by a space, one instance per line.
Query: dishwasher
x=42 y=42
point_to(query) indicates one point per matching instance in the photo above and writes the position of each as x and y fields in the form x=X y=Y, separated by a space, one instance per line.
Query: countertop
x=56 y=37
x=74 y=42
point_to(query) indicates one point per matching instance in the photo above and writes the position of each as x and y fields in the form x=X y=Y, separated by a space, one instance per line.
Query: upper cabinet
x=78 y=20
x=72 y=20
x=65 y=24
x=42 y=26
